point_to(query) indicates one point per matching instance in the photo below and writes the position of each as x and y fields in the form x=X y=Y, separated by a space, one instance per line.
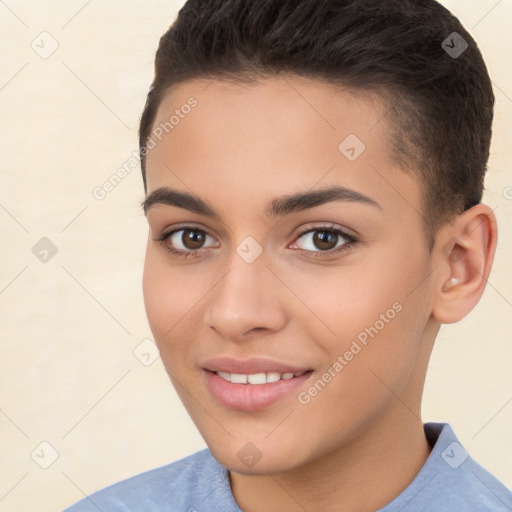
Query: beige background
x=69 y=326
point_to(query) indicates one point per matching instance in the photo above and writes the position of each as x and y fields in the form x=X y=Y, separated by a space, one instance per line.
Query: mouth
x=252 y=385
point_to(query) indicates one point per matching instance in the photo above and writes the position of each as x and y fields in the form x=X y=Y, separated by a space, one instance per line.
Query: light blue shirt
x=449 y=481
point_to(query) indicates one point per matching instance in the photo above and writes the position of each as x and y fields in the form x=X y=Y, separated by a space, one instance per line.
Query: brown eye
x=186 y=241
x=325 y=240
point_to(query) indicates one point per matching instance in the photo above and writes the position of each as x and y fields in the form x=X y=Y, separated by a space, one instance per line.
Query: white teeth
x=238 y=378
x=224 y=375
x=256 y=378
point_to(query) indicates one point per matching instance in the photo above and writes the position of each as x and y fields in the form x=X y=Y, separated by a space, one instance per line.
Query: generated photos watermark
x=357 y=345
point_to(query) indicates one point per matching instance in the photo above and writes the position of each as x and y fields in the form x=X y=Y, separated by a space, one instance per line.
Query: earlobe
x=464 y=263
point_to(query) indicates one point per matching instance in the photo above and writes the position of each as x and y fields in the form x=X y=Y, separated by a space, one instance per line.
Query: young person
x=313 y=174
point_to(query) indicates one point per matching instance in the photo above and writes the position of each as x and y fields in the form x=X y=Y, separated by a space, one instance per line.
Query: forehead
x=278 y=134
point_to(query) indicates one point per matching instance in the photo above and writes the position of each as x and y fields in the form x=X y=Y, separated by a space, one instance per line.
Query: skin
x=242 y=146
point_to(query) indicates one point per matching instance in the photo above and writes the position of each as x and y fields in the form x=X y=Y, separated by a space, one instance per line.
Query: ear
x=464 y=259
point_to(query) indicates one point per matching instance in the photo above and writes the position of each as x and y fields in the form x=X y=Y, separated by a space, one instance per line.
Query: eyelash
x=351 y=241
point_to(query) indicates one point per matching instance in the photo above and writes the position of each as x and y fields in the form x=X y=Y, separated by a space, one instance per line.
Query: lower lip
x=251 y=397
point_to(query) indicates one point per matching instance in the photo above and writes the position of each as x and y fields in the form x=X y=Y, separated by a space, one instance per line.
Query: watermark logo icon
x=352 y=147
x=45 y=45
x=249 y=454
x=249 y=249
x=454 y=455
x=44 y=455
x=455 y=45
x=146 y=352
x=44 y=250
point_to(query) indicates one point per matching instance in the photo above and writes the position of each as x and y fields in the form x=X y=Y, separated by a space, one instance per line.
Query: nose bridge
x=243 y=300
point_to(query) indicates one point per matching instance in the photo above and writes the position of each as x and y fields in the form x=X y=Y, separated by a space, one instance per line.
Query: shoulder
x=181 y=485
x=451 y=480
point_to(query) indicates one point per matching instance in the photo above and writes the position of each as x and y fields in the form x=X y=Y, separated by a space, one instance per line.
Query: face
x=291 y=294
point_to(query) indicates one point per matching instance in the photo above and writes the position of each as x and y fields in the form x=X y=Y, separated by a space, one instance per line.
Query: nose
x=247 y=301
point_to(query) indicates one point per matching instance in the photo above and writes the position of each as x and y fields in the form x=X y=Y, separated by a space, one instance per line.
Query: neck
x=362 y=476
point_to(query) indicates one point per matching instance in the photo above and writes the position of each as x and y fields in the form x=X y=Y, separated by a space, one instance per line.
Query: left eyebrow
x=276 y=207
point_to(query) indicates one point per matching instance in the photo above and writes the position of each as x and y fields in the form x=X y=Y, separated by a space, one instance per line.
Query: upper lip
x=250 y=366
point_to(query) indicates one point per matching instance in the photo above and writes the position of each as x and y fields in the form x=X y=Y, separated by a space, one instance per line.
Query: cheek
x=157 y=298
x=340 y=302
x=170 y=295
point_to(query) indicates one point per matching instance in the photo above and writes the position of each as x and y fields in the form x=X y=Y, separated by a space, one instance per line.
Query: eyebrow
x=276 y=207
